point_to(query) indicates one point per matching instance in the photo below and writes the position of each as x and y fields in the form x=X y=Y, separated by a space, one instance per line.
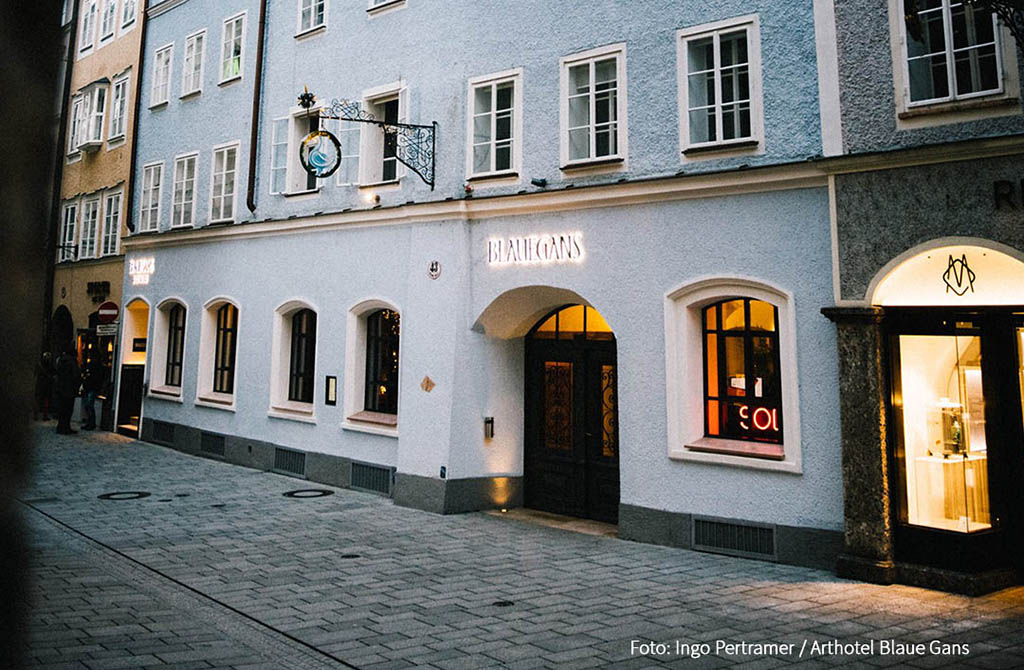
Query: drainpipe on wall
x=257 y=90
x=53 y=234
x=130 y=195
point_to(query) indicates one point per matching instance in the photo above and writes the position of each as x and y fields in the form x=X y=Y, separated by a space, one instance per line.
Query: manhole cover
x=350 y=555
x=308 y=493
x=124 y=495
x=503 y=603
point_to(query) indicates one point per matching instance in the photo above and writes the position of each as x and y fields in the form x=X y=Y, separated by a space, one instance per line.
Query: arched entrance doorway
x=954 y=320
x=571 y=457
x=134 y=343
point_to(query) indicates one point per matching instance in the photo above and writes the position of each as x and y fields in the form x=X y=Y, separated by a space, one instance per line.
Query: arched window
x=225 y=343
x=175 y=345
x=381 y=389
x=303 y=356
x=742 y=379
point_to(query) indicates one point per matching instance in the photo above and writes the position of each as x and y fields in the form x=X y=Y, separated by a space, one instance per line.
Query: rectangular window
x=232 y=46
x=97 y=113
x=389 y=164
x=107 y=19
x=184 y=199
x=128 y=13
x=161 y=91
x=90 y=229
x=719 y=85
x=279 y=157
x=149 y=215
x=119 y=109
x=379 y=150
x=312 y=14
x=67 y=233
x=493 y=127
x=381 y=384
x=222 y=187
x=192 y=69
x=111 y=225
x=303 y=356
x=75 y=126
x=175 y=345
x=593 y=106
x=88 y=25
x=952 y=52
x=224 y=349
x=347 y=133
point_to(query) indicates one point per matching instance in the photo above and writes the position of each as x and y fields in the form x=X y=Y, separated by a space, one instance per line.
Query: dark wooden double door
x=571 y=460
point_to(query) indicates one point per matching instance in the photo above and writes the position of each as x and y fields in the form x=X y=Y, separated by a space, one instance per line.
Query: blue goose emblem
x=320 y=154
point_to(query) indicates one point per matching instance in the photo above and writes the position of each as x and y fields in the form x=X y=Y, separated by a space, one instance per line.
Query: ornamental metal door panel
x=571 y=463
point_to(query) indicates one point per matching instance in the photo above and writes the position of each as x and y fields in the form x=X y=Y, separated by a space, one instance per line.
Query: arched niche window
x=572 y=321
x=175 y=345
x=742 y=378
x=301 y=369
x=225 y=345
x=382 y=336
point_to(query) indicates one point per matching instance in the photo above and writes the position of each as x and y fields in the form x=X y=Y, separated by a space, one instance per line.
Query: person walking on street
x=92 y=382
x=44 y=387
x=69 y=378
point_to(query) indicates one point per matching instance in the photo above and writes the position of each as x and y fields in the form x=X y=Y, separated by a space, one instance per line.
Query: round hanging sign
x=320 y=154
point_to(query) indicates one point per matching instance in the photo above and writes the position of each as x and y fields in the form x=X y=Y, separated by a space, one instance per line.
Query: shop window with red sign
x=742 y=379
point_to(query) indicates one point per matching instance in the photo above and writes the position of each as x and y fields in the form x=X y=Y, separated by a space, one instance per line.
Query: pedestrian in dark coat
x=69 y=378
x=92 y=383
x=44 y=386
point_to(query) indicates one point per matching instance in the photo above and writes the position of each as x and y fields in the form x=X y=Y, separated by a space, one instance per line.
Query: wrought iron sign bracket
x=415 y=144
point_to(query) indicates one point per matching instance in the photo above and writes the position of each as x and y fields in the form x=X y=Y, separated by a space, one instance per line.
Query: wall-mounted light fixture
x=539 y=183
x=488 y=427
x=372 y=198
x=331 y=392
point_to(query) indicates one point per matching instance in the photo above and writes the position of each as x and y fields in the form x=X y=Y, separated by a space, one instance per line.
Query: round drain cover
x=308 y=493
x=503 y=603
x=124 y=495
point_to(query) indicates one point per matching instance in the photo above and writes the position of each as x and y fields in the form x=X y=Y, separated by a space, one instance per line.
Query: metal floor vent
x=374 y=478
x=212 y=444
x=163 y=432
x=290 y=462
x=748 y=540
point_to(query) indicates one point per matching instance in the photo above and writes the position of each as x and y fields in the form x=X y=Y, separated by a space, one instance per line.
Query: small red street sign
x=108 y=312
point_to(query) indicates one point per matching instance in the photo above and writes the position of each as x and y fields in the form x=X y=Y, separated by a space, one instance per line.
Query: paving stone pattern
x=216 y=569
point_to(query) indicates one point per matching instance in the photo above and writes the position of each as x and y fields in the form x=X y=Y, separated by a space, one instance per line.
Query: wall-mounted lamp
x=488 y=427
x=331 y=392
x=373 y=198
x=539 y=183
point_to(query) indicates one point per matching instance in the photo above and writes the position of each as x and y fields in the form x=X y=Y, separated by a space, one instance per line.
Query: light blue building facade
x=645 y=171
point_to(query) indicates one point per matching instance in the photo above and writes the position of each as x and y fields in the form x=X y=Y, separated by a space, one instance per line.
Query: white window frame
x=88 y=240
x=280 y=362
x=109 y=9
x=312 y=27
x=953 y=109
x=200 y=54
x=68 y=236
x=752 y=24
x=160 y=91
x=622 y=125
x=280 y=131
x=298 y=128
x=129 y=11
x=75 y=124
x=158 y=360
x=87 y=27
x=493 y=80
x=355 y=367
x=150 y=211
x=371 y=139
x=340 y=130
x=110 y=242
x=684 y=360
x=119 y=111
x=241 y=16
x=95 y=116
x=223 y=148
x=179 y=160
x=205 y=395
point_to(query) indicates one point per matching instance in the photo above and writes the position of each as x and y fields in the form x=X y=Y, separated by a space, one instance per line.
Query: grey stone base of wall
x=442 y=496
x=794 y=545
x=968 y=584
x=454 y=496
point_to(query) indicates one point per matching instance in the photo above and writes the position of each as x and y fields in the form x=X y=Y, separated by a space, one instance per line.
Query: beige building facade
x=95 y=183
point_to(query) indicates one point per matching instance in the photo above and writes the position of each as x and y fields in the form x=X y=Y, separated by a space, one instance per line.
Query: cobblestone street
x=216 y=568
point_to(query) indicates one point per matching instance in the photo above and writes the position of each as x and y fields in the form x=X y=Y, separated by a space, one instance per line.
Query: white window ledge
x=594 y=163
x=221 y=401
x=310 y=32
x=688 y=453
x=371 y=428
x=385 y=7
x=231 y=80
x=953 y=107
x=293 y=411
x=300 y=195
x=170 y=393
x=191 y=94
